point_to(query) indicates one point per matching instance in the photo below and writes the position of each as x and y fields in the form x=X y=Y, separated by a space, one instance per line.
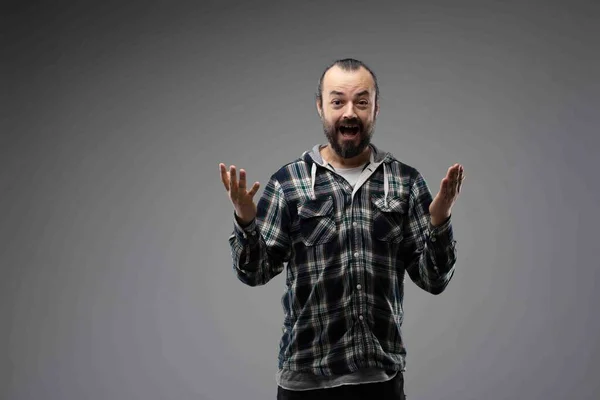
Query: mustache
x=357 y=122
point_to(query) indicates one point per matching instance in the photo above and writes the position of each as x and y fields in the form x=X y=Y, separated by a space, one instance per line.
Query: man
x=349 y=220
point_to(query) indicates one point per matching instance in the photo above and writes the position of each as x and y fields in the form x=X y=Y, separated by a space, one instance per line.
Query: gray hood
x=378 y=157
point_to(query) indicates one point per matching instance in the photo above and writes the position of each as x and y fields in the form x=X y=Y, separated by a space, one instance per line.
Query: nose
x=349 y=111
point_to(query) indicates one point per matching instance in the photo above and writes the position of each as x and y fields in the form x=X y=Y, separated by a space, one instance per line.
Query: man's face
x=348 y=111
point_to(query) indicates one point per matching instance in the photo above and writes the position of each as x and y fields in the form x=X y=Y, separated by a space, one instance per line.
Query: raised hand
x=441 y=206
x=242 y=199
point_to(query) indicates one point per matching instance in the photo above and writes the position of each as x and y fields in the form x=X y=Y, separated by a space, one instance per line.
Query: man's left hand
x=440 y=208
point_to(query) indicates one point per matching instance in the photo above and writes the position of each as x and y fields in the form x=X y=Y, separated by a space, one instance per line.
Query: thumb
x=254 y=189
x=444 y=185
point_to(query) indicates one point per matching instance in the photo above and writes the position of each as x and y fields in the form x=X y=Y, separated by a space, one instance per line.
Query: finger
x=455 y=187
x=451 y=171
x=456 y=171
x=444 y=188
x=461 y=175
x=457 y=175
x=450 y=184
x=452 y=189
x=254 y=189
x=233 y=185
x=242 y=183
x=224 y=176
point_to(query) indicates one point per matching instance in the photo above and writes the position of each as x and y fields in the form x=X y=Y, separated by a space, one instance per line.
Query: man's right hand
x=244 y=206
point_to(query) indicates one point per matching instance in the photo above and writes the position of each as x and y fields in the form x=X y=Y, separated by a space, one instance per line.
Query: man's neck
x=331 y=157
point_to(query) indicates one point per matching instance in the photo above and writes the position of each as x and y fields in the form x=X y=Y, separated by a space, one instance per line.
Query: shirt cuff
x=441 y=236
x=247 y=232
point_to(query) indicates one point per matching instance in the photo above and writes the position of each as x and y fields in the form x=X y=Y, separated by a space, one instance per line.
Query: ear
x=319 y=109
x=377 y=109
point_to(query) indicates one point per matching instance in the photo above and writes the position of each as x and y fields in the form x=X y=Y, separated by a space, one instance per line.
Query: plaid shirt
x=347 y=251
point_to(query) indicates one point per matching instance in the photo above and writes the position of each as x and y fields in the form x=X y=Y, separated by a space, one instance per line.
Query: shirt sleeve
x=260 y=249
x=429 y=252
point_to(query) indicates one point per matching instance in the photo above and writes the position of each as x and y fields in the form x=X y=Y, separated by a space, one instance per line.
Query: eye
x=336 y=102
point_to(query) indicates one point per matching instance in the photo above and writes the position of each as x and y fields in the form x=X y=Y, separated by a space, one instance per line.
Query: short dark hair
x=347 y=64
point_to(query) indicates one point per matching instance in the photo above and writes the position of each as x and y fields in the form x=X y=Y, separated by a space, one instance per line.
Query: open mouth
x=349 y=130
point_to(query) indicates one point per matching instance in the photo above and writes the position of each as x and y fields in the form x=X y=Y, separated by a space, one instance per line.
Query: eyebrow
x=336 y=93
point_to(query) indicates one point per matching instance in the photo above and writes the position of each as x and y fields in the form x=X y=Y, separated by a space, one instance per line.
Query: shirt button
x=433 y=238
x=358 y=286
x=355 y=223
x=356 y=254
x=361 y=317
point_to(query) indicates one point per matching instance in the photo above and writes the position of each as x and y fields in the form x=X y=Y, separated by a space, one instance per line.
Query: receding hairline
x=348 y=65
x=341 y=68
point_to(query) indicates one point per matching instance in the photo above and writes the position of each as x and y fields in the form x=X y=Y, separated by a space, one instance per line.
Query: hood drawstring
x=385 y=185
x=313 y=175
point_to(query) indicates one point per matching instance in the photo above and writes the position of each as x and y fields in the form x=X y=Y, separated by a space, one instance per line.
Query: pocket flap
x=316 y=208
x=394 y=204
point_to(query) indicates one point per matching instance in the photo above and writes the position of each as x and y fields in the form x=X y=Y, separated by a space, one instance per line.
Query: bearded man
x=347 y=221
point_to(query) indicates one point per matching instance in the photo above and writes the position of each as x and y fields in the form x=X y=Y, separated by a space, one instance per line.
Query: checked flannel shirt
x=347 y=252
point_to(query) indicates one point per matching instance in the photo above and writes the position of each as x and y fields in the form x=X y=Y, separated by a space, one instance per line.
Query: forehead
x=348 y=82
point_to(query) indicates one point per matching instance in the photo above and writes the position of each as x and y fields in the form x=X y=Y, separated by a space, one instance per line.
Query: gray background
x=117 y=280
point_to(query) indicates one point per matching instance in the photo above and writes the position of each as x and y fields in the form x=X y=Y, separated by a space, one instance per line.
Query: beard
x=348 y=148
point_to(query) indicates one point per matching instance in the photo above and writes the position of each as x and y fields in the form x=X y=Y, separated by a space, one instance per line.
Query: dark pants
x=390 y=390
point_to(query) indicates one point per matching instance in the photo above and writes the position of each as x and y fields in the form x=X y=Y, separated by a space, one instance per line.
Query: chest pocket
x=388 y=220
x=317 y=221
